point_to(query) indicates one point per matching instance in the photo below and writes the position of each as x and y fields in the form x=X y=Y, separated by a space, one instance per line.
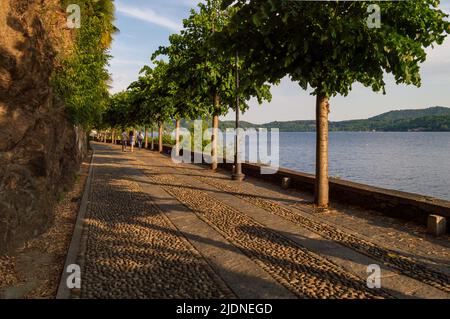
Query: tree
x=181 y=87
x=139 y=105
x=328 y=46
x=151 y=96
x=116 y=115
x=209 y=72
x=204 y=80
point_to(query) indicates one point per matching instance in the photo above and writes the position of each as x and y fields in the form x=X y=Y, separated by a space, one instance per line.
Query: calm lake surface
x=414 y=162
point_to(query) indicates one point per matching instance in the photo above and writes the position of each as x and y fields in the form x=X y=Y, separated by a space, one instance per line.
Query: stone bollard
x=286 y=182
x=437 y=225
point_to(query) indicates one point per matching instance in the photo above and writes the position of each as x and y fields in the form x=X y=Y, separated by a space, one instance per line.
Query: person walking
x=140 y=138
x=124 y=141
x=132 y=141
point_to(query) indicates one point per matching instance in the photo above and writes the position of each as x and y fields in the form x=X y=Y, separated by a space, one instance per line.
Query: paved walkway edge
x=72 y=253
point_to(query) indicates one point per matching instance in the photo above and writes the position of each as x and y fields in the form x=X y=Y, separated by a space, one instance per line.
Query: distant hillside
x=412 y=114
x=431 y=119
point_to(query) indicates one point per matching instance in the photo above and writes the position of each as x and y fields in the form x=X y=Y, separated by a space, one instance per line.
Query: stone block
x=437 y=225
x=286 y=182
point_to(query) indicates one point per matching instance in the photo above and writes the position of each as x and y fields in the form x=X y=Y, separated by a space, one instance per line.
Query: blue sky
x=146 y=24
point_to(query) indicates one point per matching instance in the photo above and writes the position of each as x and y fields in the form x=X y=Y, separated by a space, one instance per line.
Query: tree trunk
x=321 y=194
x=146 y=138
x=215 y=131
x=177 y=137
x=152 y=147
x=160 y=138
x=113 y=137
x=237 y=174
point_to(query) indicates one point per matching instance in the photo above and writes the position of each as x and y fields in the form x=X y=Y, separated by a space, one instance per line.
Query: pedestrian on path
x=140 y=138
x=124 y=141
x=132 y=141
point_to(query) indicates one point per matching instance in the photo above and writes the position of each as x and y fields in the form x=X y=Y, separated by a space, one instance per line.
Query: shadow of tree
x=134 y=218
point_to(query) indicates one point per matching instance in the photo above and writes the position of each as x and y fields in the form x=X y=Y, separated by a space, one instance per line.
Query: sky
x=146 y=24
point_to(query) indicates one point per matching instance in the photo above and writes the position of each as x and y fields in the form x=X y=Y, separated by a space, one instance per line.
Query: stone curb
x=72 y=253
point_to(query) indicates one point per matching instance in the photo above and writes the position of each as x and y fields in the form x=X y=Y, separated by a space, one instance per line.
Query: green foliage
x=199 y=72
x=151 y=96
x=167 y=140
x=328 y=46
x=412 y=114
x=82 y=80
x=147 y=101
x=423 y=124
x=206 y=140
x=117 y=114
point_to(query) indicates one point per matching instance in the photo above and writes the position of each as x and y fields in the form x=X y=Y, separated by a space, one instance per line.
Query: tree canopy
x=328 y=46
x=204 y=71
x=325 y=46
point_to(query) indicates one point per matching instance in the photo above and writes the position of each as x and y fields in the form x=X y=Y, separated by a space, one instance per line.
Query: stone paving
x=405 y=264
x=132 y=248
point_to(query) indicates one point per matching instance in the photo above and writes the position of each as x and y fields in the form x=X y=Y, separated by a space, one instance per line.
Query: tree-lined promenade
x=157 y=229
x=138 y=224
x=231 y=51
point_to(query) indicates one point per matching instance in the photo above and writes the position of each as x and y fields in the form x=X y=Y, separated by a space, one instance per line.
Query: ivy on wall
x=82 y=80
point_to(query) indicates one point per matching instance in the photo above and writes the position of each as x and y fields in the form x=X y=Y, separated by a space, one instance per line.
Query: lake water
x=414 y=162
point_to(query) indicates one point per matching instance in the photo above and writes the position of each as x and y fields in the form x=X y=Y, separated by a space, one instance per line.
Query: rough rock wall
x=39 y=149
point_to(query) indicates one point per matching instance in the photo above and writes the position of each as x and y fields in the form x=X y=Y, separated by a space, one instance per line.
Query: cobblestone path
x=301 y=271
x=404 y=264
x=133 y=250
x=131 y=247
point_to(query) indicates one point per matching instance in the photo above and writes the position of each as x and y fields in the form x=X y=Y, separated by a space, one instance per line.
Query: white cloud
x=149 y=16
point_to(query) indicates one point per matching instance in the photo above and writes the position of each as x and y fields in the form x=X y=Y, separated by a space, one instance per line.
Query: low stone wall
x=393 y=203
x=398 y=204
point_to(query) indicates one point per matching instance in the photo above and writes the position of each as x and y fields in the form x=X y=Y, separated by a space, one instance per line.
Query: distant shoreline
x=433 y=119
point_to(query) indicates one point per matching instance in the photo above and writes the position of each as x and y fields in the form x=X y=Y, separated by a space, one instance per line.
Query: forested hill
x=433 y=119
